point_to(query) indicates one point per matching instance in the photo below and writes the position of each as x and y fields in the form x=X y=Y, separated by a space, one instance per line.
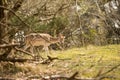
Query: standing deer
x=41 y=39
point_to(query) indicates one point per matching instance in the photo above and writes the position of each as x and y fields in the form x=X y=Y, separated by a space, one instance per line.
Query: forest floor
x=90 y=62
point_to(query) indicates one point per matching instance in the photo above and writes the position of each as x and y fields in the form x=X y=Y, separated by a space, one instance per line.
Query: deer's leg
x=26 y=47
x=33 y=50
x=29 y=48
x=46 y=50
x=38 y=55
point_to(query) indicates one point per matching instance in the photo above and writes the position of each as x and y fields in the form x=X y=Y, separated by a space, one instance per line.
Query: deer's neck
x=54 y=40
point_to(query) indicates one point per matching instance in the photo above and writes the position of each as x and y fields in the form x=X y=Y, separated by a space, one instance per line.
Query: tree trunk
x=1 y=21
x=4 y=17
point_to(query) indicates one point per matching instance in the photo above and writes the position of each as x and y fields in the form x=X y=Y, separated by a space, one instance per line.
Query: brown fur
x=41 y=39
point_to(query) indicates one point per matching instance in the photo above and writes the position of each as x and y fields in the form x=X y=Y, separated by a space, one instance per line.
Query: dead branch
x=21 y=50
x=9 y=45
x=73 y=76
x=102 y=75
x=53 y=15
x=59 y=77
x=6 y=53
x=14 y=60
x=44 y=4
x=99 y=72
x=108 y=77
x=3 y=24
x=49 y=60
x=8 y=48
x=6 y=78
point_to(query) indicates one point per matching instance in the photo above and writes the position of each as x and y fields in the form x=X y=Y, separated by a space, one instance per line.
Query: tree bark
x=1 y=20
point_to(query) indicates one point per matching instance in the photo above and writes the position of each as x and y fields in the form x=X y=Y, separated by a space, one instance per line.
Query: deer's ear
x=60 y=34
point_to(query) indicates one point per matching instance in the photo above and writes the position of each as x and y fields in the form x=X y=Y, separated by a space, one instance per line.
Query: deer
x=41 y=39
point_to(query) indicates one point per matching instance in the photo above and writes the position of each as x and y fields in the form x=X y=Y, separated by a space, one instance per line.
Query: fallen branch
x=21 y=50
x=73 y=76
x=13 y=46
x=14 y=60
x=49 y=60
x=6 y=53
x=8 y=48
x=63 y=77
x=103 y=75
x=6 y=78
x=115 y=67
x=9 y=45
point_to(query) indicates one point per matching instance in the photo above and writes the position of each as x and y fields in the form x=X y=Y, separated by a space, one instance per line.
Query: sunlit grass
x=110 y=51
x=81 y=59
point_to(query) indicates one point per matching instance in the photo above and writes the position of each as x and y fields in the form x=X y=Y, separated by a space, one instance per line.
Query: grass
x=88 y=61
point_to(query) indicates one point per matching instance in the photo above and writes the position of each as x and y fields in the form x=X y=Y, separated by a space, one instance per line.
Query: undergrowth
x=87 y=61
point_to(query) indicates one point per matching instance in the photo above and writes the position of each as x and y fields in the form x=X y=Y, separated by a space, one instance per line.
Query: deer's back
x=37 y=39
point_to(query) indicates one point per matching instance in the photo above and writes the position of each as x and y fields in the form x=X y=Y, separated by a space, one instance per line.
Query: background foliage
x=83 y=22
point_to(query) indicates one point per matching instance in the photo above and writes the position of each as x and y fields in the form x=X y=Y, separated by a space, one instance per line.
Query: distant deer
x=41 y=39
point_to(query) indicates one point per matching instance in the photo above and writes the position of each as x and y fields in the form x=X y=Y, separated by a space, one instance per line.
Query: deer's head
x=62 y=38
